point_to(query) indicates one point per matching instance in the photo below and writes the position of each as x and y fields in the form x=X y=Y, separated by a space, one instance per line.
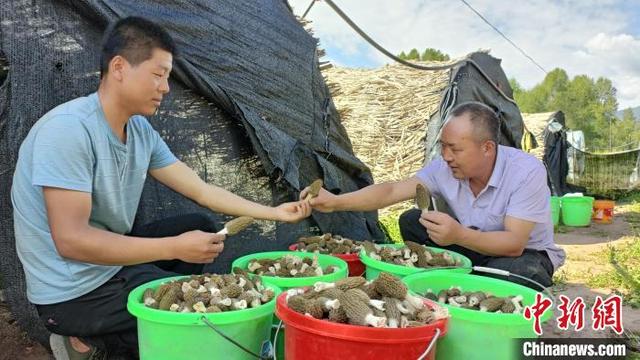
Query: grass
x=624 y=258
x=391 y=227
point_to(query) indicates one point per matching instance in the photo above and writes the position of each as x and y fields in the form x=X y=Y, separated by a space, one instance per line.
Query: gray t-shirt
x=517 y=188
x=72 y=147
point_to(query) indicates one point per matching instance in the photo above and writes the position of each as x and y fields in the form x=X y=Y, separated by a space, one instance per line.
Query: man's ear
x=117 y=66
x=489 y=147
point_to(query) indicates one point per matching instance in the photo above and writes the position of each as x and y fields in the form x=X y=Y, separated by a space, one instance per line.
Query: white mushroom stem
x=214 y=291
x=393 y=323
x=516 y=302
x=239 y=305
x=225 y=302
x=174 y=307
x=415 y=301
x=333 y=304
x=293 y=272
x=277 y=266
x=149 y=301
x=413 y=258
x=378 y=304
x=242 y=282
x=293 y=292
x=254 y=266
x=404 y=321
x=304 y=267
x=199 y=307
x=319 y=271
x=401 y=308
x=201 y=289
x=185 y=287
x=375 y=321
x=375 y=256
x=453 y=302
x=320 y=286
x=407 y=254
x=460 y=299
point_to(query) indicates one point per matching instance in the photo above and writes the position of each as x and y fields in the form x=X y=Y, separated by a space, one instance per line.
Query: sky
x=596 y=38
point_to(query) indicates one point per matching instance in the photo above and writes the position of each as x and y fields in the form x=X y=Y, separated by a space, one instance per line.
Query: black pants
x=532 y=264
x=100 y=317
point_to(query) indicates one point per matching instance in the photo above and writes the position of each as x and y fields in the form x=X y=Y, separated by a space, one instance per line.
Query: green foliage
x=429 y=54
x=391 y=227
x=589 y=105
x=413 y=55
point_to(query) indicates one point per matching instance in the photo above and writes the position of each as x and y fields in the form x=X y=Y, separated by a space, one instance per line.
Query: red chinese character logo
x=607 y=313
x=571 y=314
x=535 y=311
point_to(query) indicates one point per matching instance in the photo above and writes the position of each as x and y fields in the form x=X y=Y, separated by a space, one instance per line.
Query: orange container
x=603 y=211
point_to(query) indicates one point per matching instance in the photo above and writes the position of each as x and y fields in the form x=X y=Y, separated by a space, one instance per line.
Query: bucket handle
x=275 y=341
x=212 y=326
x=431 y=343
x=508 y=273
x=494 y=271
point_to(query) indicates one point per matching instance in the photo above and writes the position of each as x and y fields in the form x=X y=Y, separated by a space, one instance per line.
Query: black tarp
x=480 y=78
x=248 y=110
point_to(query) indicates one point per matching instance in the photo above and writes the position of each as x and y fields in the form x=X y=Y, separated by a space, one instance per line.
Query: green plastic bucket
x=168 y=335
x=374 y=267
x=576 y=210
x=474 y=334
x=555 y=210
x=289 y=283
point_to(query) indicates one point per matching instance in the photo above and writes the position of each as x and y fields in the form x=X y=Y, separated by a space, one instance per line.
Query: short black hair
x=485 y=121
x=134 y=38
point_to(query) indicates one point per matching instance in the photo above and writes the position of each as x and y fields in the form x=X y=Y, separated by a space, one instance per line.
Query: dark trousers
x=532 y=264
x=100 y=317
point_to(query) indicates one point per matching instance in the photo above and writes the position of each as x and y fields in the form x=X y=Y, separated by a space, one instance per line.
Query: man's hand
x=198 y=247
x=292 y=212
x=324 y=202
x=442 y=228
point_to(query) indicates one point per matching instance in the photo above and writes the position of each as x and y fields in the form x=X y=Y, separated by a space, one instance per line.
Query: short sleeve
x=161 y=156
x=62 y=155
x=429 y=175
x=531 y=199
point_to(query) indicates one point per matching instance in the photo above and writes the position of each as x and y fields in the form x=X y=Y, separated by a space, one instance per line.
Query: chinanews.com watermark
x=606 y=314
x=544 y=348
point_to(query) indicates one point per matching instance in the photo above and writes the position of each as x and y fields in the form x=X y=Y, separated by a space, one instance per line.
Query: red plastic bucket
x=356 y=267
x=312 y=339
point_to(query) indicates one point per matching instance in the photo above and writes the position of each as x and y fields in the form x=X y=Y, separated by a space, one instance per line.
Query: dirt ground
x=583 y=247
x=14 y=343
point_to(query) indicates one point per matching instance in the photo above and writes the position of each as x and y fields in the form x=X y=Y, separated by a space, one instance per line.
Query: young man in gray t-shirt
x=76 y=188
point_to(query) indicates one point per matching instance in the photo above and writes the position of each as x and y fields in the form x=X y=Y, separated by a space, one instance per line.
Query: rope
x=308 y=9
x=504 y=36
x=409 y=64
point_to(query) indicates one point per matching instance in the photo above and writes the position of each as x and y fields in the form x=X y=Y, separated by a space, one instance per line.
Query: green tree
x=403 y=56
x=413 y=55
x=589 y=105
x=431 y=54
x=627 y=131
